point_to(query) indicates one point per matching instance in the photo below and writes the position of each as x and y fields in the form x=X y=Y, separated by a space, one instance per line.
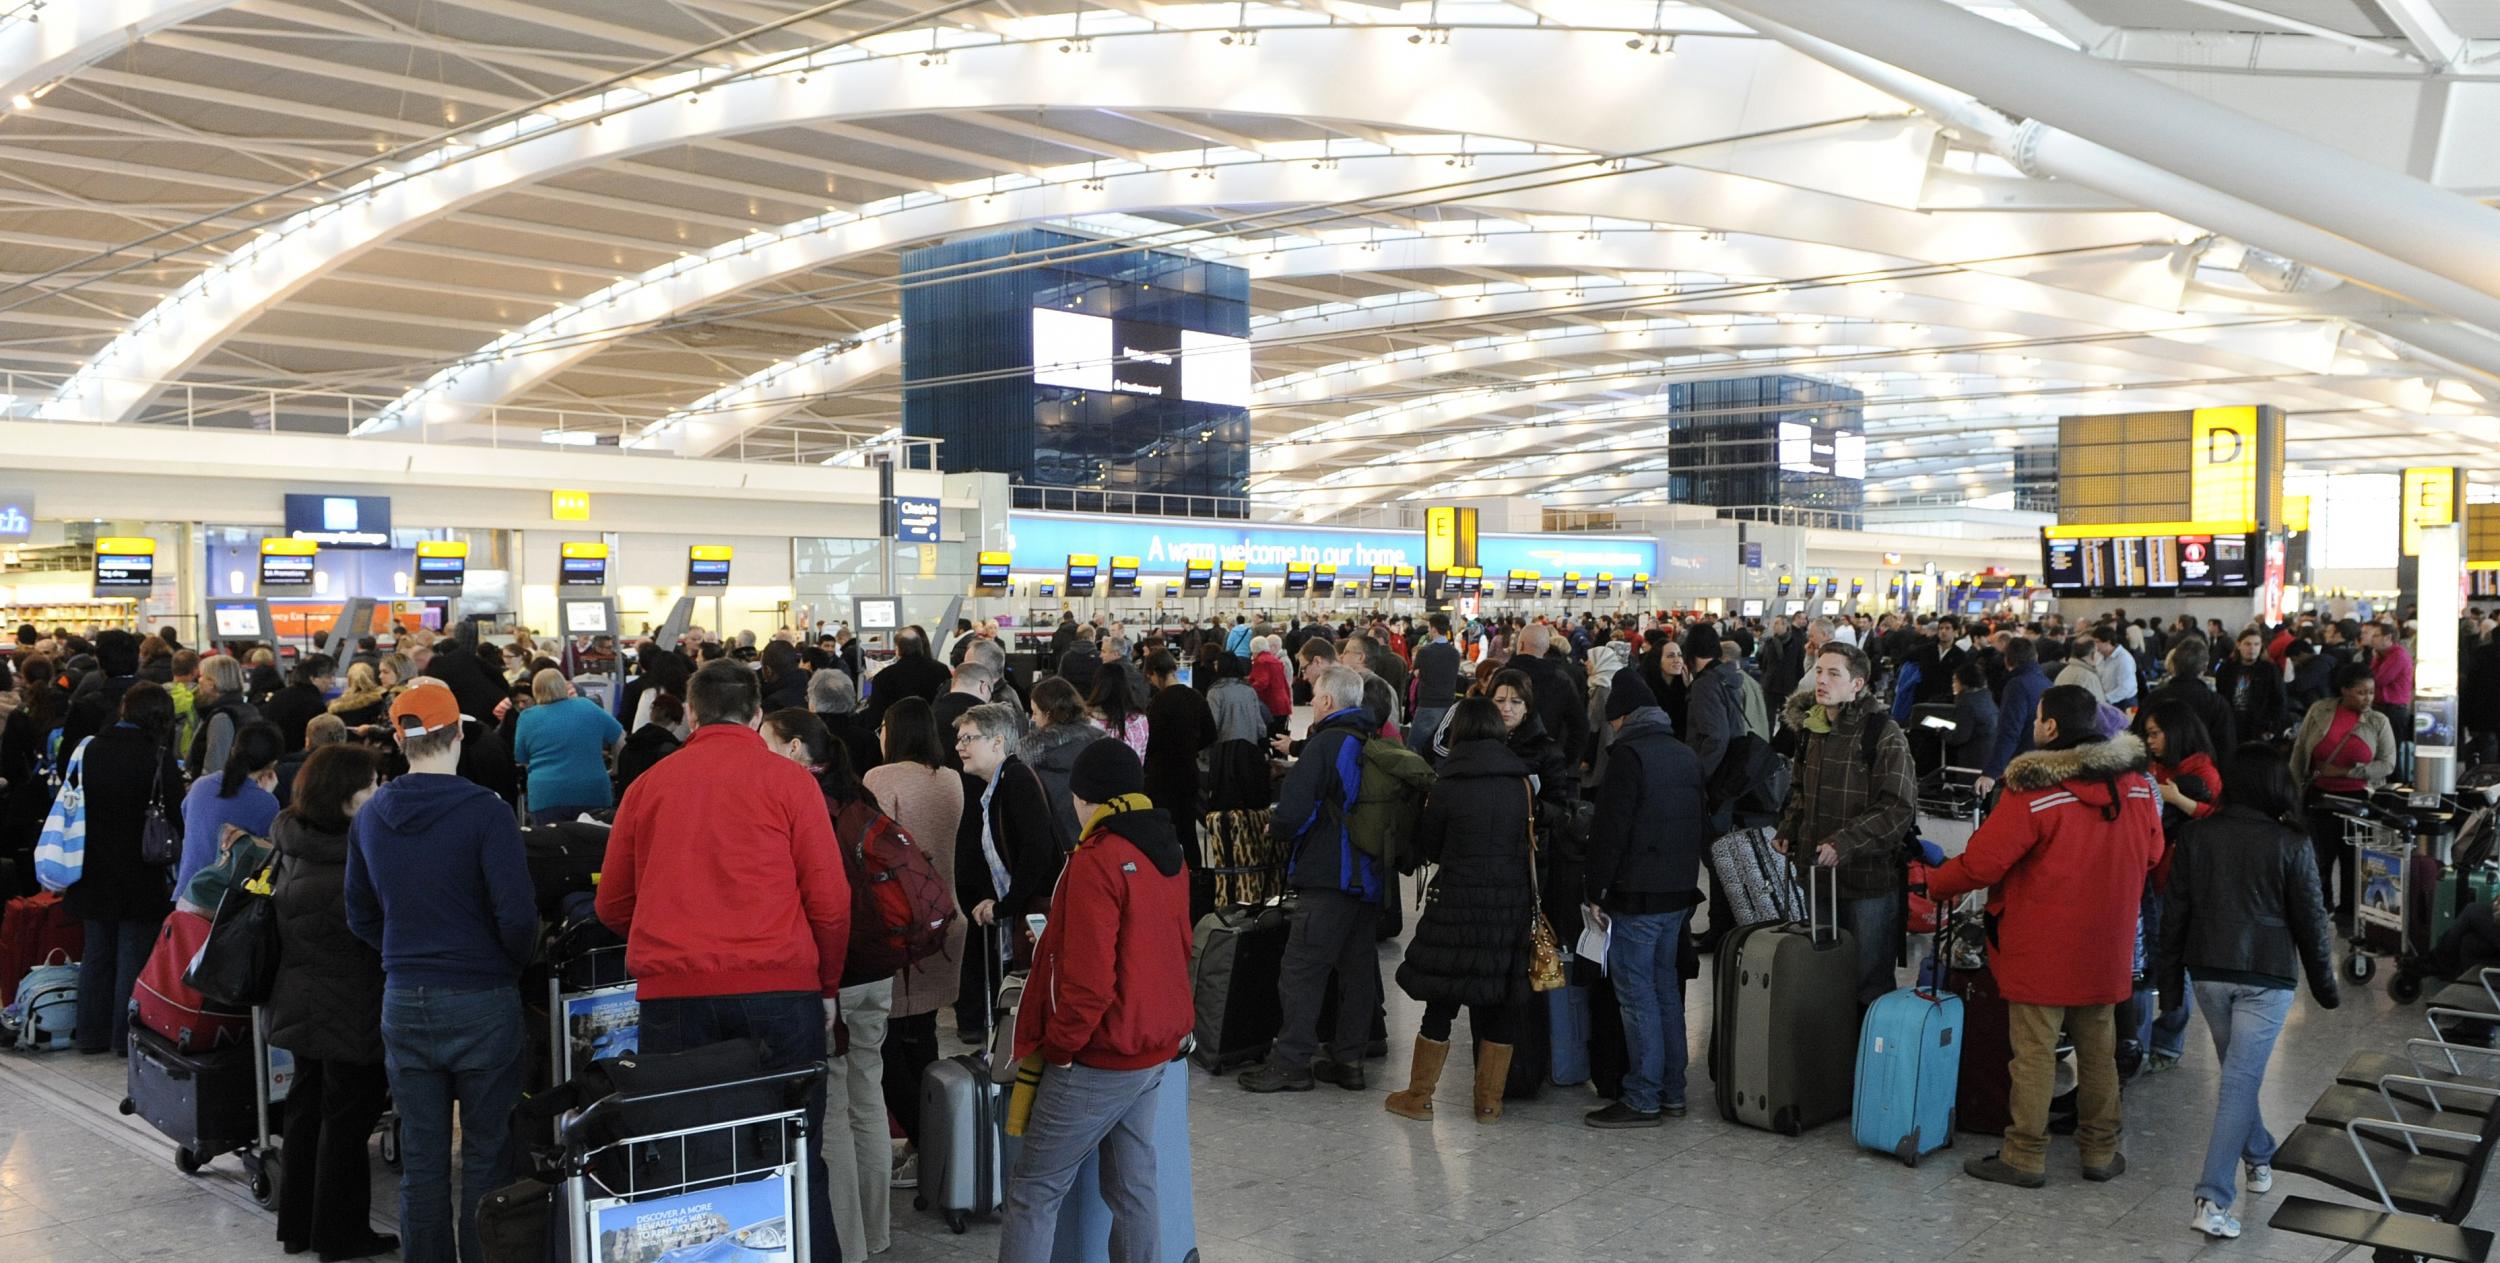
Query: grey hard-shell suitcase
x=1787 y=1024
x=962 y=1120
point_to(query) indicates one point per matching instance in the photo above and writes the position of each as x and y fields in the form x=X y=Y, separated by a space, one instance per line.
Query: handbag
x=1545 y=964
x=160 y=843
x=61 y=849
x=237 y=966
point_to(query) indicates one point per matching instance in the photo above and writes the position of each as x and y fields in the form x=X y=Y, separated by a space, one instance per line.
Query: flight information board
x=2182 y=563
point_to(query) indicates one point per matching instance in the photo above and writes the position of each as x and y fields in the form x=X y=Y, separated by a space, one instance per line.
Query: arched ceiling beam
x=1533 y=84
x=44 y=45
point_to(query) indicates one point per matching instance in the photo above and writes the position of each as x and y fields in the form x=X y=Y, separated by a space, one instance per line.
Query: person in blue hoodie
x=436 y=882
x=2024 y=683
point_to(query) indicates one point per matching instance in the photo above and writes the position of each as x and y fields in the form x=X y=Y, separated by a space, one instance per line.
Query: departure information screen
x=2184 y=565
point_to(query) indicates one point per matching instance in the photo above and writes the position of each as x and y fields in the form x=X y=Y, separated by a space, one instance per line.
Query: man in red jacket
x=1106 y=1008
x=2066 y=850
x=723 y=875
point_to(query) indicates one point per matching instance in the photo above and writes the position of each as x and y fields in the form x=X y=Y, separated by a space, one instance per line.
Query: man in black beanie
x=1114 y=962
x=1644 y=858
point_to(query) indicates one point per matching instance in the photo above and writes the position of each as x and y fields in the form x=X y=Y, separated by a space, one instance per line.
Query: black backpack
x=1748 y=786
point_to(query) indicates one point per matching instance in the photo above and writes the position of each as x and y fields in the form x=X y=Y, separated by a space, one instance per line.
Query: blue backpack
x=44 y=1017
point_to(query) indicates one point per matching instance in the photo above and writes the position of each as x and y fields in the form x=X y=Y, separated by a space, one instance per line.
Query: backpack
x=45 y=1014
x=1749 y=784
x=899 y=907
x=1388 y=803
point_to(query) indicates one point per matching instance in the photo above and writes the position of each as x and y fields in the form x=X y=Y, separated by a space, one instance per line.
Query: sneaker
x=1345 y=1074
x=906 y=1171
x=1267 y=1076
x=2214 y=1222
x=1619 y=1117
x=1672 y=1109
x=2260 y=1178
x=2107 y=1171
x=2155 y=1063
x=1996 y=1170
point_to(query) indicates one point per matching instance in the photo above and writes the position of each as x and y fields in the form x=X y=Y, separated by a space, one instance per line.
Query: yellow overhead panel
x=442 y=548
x=585 y=549
x=2138 y=530
x=274 y=547
x=127 y=545
x=2430 y=500
x=569 y=506
x=2222 y=465
x=708 y=552
x=2296 y=513
x=2482 y=533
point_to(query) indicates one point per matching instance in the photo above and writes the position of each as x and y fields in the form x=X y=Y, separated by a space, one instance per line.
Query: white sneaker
x=2214 y=1222
x=906 y=1172
x=2260 y=1178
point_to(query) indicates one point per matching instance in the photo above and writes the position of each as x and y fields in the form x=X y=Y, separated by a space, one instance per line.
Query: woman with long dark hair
x=2182 y=753
x=2246 y=919
x=1471 y=942
x=28 y=766
x=326 y=1008
x=128 y=774
x=927 y=798
x=242 y=794
x=859 y=1166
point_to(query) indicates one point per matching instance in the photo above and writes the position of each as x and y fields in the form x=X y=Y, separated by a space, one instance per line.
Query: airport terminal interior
x=2023 y=460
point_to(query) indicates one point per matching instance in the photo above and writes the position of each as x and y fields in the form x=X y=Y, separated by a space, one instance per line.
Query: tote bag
x=61 y=849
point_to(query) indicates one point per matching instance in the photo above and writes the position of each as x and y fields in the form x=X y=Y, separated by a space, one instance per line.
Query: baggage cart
x=2388 y=834
x=642 y=1179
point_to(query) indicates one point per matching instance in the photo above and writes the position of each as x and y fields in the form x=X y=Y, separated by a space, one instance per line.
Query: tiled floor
x=1329 y=1176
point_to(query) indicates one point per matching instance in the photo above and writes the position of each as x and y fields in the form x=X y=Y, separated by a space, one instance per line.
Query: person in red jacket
x=723 y=875
x=1106 y=1009
x=2066 y=850
x=1269 y=679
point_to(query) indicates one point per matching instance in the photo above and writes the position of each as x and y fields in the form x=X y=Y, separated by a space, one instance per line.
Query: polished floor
x=1329 y=1176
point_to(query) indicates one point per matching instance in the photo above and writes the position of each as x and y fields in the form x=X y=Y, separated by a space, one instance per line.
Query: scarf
x=1117 y=806
x=989 y=844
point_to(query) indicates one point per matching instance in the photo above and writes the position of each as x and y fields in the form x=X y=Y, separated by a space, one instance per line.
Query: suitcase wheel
x=266 y=1171
x=128 y=1107
x=919 y=1203
x=186 y=1161
x=958 y=1222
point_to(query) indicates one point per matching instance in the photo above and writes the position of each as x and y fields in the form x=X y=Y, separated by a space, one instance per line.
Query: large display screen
x=1083 y=568
x=583 y=572
x=2182 y=564
x=1297 y=578
x=124 y=566
x=1198 y=576
x=1233 y=574
x=707 y=566
x=1124 y=576
x=285 y=567
x=993 y=570
x=441 y=565
x=1807 y=449
x=239 y=620
x=1131 y=357
x=1324 y=580
x=340 y=521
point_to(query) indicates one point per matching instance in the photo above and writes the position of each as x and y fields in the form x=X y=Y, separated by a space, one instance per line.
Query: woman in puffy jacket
x=326 y=1008
x=1471 y=943
x=2246 y=920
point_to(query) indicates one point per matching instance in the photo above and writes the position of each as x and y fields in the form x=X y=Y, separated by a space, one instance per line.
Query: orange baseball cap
x=425 y=709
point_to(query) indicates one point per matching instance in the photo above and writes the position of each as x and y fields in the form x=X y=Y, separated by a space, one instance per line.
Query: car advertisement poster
x=602 y=1023
x=741 y=1223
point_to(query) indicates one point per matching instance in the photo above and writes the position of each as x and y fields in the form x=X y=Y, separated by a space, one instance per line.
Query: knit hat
x=1104 y=770
x=1701 y=641
x=1628 y=693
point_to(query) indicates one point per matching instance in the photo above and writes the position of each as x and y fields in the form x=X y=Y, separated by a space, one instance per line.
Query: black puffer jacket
x=1646 y=839
x=2245 y=907
x=328 y=999
x=121 y=767
x=1471 y=944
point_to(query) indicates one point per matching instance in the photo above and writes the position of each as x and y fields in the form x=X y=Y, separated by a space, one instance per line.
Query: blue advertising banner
x=1042 y=541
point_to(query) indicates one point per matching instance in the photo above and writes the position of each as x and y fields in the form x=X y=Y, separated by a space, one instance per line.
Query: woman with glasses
x=1007 y=856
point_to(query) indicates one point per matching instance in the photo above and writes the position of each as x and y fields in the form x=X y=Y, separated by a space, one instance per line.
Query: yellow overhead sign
x=275 y=547
x=2222 y=464
x=127 y=545
x=442 y=548
x=569 y=506
x=2140 y=530
x=2430 y=500
x=708 y=552
x=585 y=550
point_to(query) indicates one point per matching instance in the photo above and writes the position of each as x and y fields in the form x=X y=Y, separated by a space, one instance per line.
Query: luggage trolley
x=694 y=1173
x=2387 y=834
x=591 y=1009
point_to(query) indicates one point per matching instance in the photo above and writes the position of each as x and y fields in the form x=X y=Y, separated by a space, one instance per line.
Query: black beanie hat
x=1105 y=770
x=1701 y=640
x=1628 y=693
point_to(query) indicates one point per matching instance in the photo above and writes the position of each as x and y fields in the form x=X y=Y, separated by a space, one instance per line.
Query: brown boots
x=1492 y=1075
x=1416 y=1101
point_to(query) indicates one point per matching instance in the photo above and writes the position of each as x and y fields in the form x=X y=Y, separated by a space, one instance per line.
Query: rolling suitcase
x=1909 y=1067
x=170 y=1007
x=962 y=1119
x=202 y=1100
x=1567 y=1018
x=1754 y=880
x=1234 y=963
x=1980 y=1101
x=1787 y=1033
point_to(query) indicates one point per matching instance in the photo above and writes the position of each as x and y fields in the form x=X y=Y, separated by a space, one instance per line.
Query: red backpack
x=900 y=908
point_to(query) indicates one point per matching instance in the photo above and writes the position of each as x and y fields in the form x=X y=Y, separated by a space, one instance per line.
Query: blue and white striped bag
x=61 y=850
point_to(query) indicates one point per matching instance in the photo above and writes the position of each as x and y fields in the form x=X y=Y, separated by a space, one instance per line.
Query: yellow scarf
x=1123 y=803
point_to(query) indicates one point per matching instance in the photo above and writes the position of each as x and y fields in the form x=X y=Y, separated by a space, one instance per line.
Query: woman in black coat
x=326 y=1008
x=26 y=766
x=1975 y=718
x=1471 y=943
x=121 y=896
x=1006 y=816
x=1178 y=726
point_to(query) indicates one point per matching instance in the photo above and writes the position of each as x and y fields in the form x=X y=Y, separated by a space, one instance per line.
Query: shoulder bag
x=1545 y=967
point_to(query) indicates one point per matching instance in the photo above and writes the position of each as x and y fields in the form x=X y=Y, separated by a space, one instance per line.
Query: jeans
x=858 y=1148
x=2245 y=1021
x=1332 y=931
x=326 y=1203
x=1427 y=724
x=444 y=1048
x=1641 y=960
x=2032 y=1030
x=1077 y=1110
x=1876 y=925
x=2326 y=835
x=792 y=1026
x=107 y=973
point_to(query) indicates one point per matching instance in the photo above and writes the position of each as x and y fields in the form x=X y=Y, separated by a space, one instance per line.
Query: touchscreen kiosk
x=587 y=616
x=236 y=620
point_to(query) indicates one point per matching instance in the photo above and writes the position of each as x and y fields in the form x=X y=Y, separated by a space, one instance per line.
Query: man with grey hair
x=1561 y=701
x=1338 y=911
x=993 y=655
x=974 y=685
x=1116 y=661
x=1007 y=854
x=830 y=692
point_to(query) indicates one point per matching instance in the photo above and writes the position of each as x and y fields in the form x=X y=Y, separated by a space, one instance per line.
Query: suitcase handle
x=1816 y=883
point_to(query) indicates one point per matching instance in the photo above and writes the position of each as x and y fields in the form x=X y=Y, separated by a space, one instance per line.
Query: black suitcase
x=1238 y=952
x=202 y=1101
x=1532 y=1055
x=564 y=859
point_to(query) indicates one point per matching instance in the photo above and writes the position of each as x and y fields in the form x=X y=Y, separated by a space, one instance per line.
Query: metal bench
x=2387 y=1235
